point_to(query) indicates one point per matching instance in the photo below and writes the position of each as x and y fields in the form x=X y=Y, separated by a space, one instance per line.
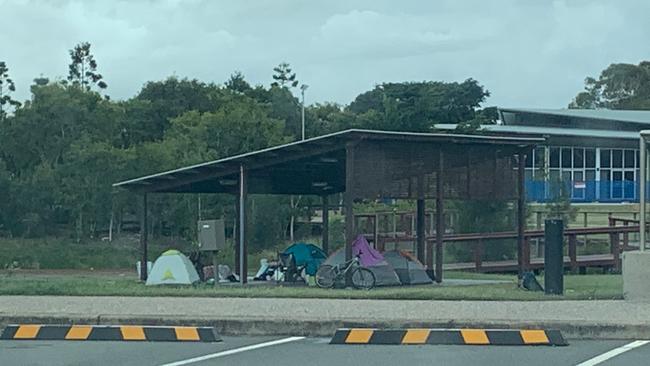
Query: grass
x=585 y=287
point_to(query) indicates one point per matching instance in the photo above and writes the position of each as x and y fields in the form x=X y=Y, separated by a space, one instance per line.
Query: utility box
x=212 y=235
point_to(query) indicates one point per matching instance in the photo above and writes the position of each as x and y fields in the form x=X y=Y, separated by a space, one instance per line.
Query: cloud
x=527 y=53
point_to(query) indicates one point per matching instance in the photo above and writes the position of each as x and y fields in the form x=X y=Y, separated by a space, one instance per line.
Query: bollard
x=553 y=257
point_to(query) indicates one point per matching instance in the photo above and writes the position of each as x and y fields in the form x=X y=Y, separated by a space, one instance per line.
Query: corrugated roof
x=332 y=142
x=632 y=116
x=553 y=131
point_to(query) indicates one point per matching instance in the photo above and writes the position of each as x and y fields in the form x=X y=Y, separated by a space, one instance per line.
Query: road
x=309 y=351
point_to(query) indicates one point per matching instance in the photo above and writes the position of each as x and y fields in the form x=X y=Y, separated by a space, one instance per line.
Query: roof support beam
x=522 y=253
x=243 y=219
x=144 y=236
x=440 y=220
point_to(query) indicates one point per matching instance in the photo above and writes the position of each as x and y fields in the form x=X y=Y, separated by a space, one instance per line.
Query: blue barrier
x=583 y=191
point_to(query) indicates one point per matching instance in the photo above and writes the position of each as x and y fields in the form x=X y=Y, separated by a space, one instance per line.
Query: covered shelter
x=361 y=164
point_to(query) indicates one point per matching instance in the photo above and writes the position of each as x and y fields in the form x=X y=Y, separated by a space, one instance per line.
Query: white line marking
x=613 y=353
x=233 y=351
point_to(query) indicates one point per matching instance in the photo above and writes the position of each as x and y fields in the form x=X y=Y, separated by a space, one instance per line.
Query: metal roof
x=308 y=158
x=553 y=131
x=633 y=116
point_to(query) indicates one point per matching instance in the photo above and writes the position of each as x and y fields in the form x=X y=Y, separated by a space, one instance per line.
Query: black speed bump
x=496 y=337
x=109 y=333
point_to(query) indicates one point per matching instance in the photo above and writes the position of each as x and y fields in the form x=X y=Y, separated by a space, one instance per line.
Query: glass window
x=554 y=157
x=617 y=158
x=577 y=176
x=554 y=175
x=605 y=175
x=638 y=161
x=540 y=156
x=605 y=158
x=528 y=175
x=529 y=160
x=590 y=158
x=629 y=159
x=578 y=158
x=590 y=175
x=566 y=157
x=629 y=175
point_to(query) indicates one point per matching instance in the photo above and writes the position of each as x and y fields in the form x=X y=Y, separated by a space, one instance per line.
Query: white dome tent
x=172 y=268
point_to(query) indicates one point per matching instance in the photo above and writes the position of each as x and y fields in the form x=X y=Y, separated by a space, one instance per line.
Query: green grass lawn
x=576 y=288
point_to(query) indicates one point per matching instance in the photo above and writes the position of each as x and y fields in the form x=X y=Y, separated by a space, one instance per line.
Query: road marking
x=233 y=351
x=613 y=353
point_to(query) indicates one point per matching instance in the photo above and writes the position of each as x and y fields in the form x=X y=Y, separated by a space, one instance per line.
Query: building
x=590 y=155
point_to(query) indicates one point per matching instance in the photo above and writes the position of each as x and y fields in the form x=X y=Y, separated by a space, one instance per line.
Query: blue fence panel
x=584 y=191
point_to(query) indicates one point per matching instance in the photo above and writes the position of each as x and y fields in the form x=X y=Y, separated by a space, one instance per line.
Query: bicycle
x=362 y=278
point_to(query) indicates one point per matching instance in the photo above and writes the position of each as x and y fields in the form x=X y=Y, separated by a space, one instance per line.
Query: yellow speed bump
x=478 y=337
x=109 y=333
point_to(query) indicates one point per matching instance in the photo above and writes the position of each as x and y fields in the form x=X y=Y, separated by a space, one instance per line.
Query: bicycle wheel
x=325 y=276
x=363 y=278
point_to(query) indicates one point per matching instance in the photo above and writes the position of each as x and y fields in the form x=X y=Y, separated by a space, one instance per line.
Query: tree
x=82 y=70
x=150 y=112
x=619 y=86
x=283 y=76
x=6 y=88
x=238 y=83
x=419 y=106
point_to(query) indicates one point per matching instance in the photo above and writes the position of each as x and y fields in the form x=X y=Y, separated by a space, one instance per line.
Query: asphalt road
x=310 y=351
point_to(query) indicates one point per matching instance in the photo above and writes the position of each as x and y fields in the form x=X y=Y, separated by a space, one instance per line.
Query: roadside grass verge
x=586 y=287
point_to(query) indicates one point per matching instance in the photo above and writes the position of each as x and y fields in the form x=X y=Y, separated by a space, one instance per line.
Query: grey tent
x=409 y=270
x=384 y=273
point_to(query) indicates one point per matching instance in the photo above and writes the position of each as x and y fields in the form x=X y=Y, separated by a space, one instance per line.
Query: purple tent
x=368 y=256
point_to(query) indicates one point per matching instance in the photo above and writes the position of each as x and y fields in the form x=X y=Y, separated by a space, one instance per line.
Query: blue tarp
x=308 y=255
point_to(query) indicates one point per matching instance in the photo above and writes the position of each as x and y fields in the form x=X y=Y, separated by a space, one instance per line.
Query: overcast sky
x=527 y=53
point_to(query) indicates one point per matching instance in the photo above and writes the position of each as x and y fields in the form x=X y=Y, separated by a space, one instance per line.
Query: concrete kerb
x=237 y=327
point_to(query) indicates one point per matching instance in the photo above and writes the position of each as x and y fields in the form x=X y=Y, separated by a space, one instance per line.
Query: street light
x=303 y=87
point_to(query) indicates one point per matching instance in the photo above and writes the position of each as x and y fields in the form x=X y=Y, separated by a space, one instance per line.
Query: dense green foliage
x=620 y=86
x=62 y=149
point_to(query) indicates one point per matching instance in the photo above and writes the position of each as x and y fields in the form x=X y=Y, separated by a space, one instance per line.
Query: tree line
x=61 y=150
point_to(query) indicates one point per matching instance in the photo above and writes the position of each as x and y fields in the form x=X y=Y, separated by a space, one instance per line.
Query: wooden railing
x=478 y=242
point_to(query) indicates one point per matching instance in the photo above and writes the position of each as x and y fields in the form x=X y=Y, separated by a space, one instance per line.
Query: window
x=578 y=158
x=529 y=160
x=605 y=161
x=540 y=156
x=617 y=158
x=629 y=159
x=566 y=157
x=554 y=157
x=590 y=158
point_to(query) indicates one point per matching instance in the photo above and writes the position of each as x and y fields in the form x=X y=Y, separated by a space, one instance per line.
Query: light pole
x=303 y=87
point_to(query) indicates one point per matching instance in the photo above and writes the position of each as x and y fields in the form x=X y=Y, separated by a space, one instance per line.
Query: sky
x=527 y=53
